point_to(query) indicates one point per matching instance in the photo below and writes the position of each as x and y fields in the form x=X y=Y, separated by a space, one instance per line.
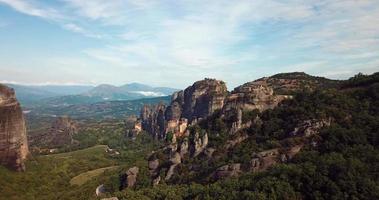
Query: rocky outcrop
x=62 y=131
x=203 y=98
x=13 y=138
x=183 y=148
x=175 y=160
x=226 y=171
x=253 y=95
x=128 y=180
x=310 y=127
x=265 y=159
x=153 y=120
x=133 y=127
x=196 y=102
x=198 y=143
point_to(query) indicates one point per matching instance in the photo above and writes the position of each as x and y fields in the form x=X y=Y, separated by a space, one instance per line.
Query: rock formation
x=227 y=171
x=133 y=127
x=202 y=99
x=310 y=127
x=183 y=123
x=252 y=95
x=128 y=180
x=174 y=161
x=61 y=131
x=265 y=159
x=153 y=120
x=13 y=139
x=198 y=143
x=196 y=102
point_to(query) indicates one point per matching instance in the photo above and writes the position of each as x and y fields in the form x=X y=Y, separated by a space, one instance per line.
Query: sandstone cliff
x=13 y=139
x=194 y=103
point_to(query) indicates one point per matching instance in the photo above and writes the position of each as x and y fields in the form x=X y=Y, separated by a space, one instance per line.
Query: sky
x=176 y=42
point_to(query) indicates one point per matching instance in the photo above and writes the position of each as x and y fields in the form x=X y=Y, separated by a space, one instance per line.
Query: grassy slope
x=87 y=176
x=48 y=176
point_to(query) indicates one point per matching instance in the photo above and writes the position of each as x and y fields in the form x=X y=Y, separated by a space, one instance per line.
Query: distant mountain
x=106 y=92
x=57 y=95
x=65 y=89
x=28 y=94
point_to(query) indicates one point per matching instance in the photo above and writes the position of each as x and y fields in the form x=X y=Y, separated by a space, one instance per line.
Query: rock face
x=198 y=143
x=13 y=139
x=252 y=95
x=255 y=95
x=196 y=102
x=202 y=99
x=133 y=127
x=153 y=120
x=62 y=130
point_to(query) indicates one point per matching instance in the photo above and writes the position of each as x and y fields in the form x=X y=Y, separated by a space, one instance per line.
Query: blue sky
x=174 y=43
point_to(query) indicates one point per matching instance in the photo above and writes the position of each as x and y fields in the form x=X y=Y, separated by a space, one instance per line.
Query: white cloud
x=77 y=29
x=150 y=94
x=29 y=8
x=98 y=9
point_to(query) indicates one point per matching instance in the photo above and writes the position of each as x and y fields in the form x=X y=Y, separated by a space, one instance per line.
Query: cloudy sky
x=176 y=42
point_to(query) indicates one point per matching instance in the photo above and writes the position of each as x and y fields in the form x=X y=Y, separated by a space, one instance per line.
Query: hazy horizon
x=173 y=44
